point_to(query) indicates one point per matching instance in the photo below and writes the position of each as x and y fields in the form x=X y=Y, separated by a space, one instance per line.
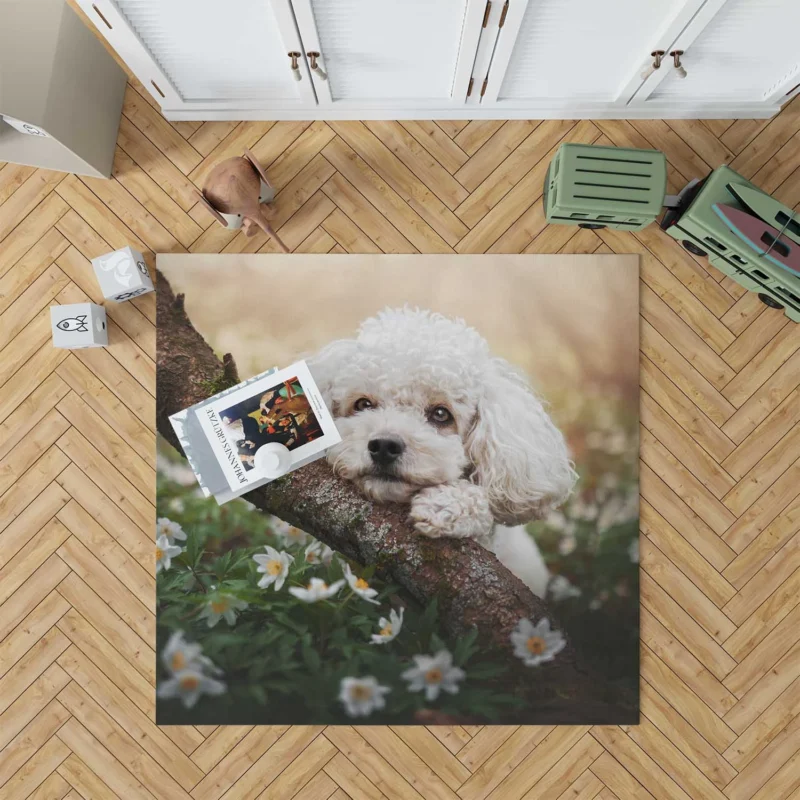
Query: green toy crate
x=605 y=187
x=695 y=224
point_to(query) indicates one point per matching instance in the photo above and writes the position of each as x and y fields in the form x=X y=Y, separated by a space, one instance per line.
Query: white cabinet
x=745 y=52
x=567 y=52
x=207 y=54
x=390 y=59
x=387 y=54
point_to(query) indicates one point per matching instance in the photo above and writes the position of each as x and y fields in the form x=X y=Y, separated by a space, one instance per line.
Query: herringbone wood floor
x=719 y=476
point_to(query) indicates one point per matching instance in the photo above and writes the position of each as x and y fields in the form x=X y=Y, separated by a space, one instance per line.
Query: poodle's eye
x=362 y=404
x=440 y=415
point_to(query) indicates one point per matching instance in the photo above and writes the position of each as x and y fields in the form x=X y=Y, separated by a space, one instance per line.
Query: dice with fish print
x=79 y=325
x=122 y=275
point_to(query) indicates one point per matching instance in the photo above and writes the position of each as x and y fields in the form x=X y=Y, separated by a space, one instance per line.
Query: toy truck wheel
x=693 y=248
x=769 y=301
x=592 y=226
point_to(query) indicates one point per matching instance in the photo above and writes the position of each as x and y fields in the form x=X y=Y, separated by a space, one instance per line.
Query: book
x=225 y=436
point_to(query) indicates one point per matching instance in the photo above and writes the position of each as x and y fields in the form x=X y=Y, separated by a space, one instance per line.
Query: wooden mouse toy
x=235 y=192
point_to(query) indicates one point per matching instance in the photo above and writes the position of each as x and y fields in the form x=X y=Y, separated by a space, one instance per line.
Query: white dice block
x=122 y=274
x=79 y=325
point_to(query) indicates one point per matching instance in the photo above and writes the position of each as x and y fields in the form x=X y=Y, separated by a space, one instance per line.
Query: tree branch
x=472 y=587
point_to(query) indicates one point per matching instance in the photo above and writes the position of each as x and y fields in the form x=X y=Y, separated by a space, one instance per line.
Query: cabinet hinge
x=483 y=88
x=486 y=13
x=503 y=15
x=469 y=88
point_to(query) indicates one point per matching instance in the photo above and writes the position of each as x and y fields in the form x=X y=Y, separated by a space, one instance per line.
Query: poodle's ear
x=328 y=368
x=518 y=454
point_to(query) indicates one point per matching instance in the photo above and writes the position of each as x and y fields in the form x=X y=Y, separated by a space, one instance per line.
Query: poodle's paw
x=453 y=509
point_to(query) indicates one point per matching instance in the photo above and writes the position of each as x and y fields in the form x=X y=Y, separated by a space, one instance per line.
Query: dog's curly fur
x=496 y=460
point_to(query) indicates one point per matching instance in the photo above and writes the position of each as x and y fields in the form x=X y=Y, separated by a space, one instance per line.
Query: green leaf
x=311 y=658
x=465 y=648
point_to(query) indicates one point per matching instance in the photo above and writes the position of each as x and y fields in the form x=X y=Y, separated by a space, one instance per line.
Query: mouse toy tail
x=263 y=223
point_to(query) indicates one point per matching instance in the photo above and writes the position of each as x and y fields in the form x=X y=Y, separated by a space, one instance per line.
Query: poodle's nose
x=385 y=451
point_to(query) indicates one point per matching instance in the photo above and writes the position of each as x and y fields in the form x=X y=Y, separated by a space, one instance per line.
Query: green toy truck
x=695 y=224
x=605 y=187
x=597 y=187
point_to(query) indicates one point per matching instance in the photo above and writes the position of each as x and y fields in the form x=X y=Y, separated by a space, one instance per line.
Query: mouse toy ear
x=211 y=210
x=257 y=167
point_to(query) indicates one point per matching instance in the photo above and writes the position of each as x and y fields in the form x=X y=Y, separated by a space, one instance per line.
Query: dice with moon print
x=122 y=275
x=79 y=325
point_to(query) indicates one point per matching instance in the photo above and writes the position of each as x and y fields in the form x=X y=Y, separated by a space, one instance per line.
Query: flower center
x=159 y=554
x=433 y=676
x=361 y=584
x=178 y=661
x=536 y=645
x=274 y=567
x=219 y=606
x=189 y=683
x=360 y=692
x=387 y=631
x=311 y=557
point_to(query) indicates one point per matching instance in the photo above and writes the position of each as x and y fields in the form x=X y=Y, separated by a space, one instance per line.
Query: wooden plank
x=437 y=143
x=159 y=131
x=108 y=714
x=28 y=232
x=391 y=170
x=30 y=267
x=419 y=161
x=107 y=514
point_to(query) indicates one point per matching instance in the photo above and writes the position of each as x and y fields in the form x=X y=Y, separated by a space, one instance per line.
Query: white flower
x=275 y=567
x=555 y=519
x=312 y=553
x=361 y=696
x=567 y=543
x=288 y=534
x=616 y=442
x=179 y=473
x=536 y=644
x=389 y=628
x=316 y=590
x=327 y=555
x=598 y=601
x=189 y=684
x=178 y=655
x=360 y=586
x=434 y=674
x=561 y=589
x=633 y=550
x=165 y=552
x=610 y=515
x=222 y=605
x=583 y=511
x=166 y=527
x=177 y=505
x=318 y=553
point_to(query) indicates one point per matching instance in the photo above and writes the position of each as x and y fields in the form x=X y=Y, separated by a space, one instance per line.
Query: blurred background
x=570 y=322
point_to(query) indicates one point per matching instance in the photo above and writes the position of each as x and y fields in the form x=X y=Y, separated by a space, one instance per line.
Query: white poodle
x=429 y=417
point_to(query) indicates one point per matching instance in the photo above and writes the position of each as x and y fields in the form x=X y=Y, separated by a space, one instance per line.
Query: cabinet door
x=569 y=54
x=747 y=51
x=391 y=54
x=206 y=54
